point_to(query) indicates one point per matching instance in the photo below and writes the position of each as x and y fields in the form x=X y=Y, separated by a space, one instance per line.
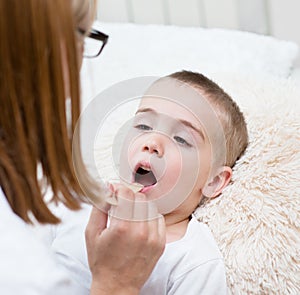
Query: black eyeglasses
x=94 y=42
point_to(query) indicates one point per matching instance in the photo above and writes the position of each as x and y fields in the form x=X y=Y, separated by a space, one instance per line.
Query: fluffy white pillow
x=256 y=221
x=156 y=50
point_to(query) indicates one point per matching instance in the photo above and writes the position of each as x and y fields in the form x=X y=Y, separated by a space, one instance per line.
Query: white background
x=279 y=18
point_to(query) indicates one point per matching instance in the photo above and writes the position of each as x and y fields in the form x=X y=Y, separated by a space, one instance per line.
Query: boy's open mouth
x=144 y=176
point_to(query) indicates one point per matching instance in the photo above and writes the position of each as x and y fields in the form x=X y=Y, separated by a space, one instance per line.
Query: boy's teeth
x=145 y=168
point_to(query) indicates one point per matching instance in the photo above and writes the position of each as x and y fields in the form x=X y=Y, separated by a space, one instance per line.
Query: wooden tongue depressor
x=135 y=187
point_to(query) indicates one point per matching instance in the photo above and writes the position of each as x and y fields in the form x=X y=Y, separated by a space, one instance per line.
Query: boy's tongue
x=145 y=177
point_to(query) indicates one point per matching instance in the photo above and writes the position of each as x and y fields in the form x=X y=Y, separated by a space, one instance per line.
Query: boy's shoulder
x=198 y=245
x=196 y=252
x=194 y=258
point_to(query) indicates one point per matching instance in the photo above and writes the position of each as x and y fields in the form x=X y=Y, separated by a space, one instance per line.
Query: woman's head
x=37 y=79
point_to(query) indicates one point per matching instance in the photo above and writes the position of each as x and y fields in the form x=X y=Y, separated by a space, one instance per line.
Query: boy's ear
x=218 y=182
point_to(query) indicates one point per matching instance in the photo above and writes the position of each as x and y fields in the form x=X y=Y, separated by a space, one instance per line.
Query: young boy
x=184 y=140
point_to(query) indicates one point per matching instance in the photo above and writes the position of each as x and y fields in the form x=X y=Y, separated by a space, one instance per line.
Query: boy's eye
x=143 y=127
x=181 y=141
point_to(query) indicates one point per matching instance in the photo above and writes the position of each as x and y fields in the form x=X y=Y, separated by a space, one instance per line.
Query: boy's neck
x=175 y=229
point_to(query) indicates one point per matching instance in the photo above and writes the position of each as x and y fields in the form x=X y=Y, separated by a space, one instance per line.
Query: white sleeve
x=27 y=266
x=206 y=279
x=67 y=241
x=68 y=244
x=41 y=282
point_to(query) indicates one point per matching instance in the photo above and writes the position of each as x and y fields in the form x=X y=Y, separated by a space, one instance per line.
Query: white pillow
x=156 y=50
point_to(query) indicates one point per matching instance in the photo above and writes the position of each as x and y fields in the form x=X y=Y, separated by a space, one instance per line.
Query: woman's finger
x=140 y=211
x=96 y=224
x=125 y=208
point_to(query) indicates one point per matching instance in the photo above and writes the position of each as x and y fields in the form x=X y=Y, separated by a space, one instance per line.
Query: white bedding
x=156 y=50
x=295 y=75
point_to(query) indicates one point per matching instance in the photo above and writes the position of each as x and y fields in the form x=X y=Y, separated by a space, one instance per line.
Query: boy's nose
x=154 y=145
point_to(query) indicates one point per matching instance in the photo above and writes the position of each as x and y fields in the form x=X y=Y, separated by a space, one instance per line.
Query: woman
x=41 y=52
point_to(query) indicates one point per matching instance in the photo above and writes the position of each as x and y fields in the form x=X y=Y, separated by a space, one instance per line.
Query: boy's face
x=168 y=149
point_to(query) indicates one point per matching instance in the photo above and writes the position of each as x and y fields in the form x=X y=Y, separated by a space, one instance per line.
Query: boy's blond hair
x=228 y=112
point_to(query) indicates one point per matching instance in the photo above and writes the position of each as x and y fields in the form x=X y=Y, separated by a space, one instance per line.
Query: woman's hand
x=123 y=255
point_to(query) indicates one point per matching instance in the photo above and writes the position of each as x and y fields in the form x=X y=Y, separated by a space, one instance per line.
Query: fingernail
x=111 y=187
x=112 y=200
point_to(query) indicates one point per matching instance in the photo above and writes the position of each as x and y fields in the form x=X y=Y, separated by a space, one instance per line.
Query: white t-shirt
x=27 y=266
x=190 y=266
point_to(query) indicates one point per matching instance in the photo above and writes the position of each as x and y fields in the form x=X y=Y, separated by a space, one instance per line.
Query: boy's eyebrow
x=190 y=125
x=144 y=110
x=184 y=122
